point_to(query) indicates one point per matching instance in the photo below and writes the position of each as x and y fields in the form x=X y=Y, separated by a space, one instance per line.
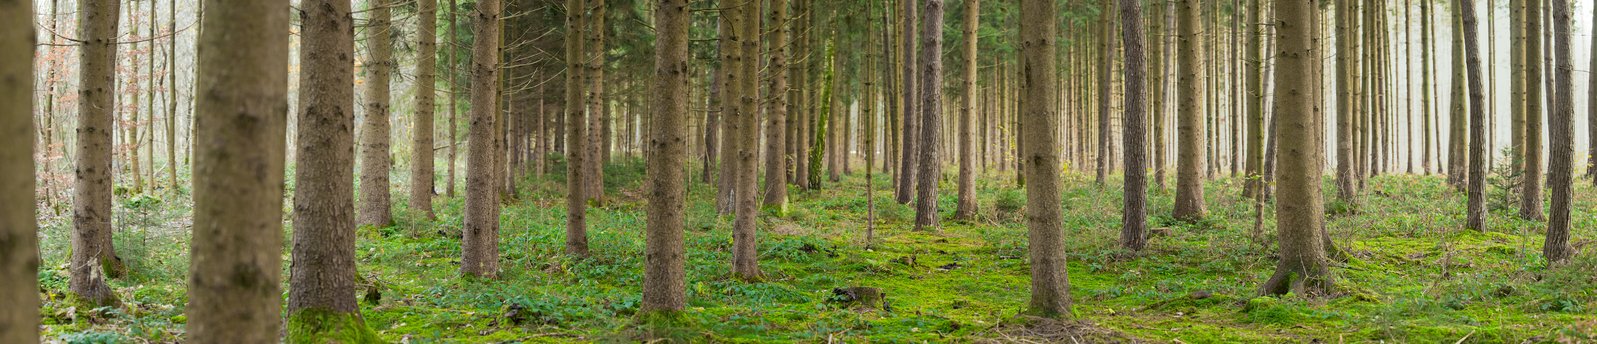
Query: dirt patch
x=1028 y=329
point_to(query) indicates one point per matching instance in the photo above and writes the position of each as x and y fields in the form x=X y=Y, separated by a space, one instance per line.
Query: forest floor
x=1413 y=275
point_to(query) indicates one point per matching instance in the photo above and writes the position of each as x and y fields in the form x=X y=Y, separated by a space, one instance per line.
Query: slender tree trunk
x=1458 y=120
x=911 y=99
x=576 y=132
x=1476 y=212
x=1158 y=38
x=421 y=164
x=727 y=170
x=712 y=119
x=1134 y=218
x=1192 y=158
x=171 y=95
x=19 y=262
x=454 y=94
x=1050 y=282
x=931 y=116
x=374 y=206
x=965 y=209
x=1303 y=266
x=236 y=255
x=1562 y=138
x=1591 y=115
x=775 y=157
x=321 y=284
x=1255 y=81
x=598 y=114
x=479 y=246
x=1347 y=82
x=93 y=256
x=1519 y=79
x=1105 y=83
x=664 y=289
x=1530 y=202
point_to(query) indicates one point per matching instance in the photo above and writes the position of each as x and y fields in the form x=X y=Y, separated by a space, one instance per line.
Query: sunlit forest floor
x=1412 y=276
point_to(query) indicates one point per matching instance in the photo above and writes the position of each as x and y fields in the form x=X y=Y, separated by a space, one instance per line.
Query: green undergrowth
x=1411 y=274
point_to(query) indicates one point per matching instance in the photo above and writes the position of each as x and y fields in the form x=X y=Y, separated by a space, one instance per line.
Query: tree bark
x=663 y=285
x=1530 y=202
x=965 y=208
x=576 y=130
x=775 y=138
x=19 y=258
x=1556 y=248
x=1105 y=87
x=1192 y=155
x=1050 y=282
x=1134 y=216
x=421 y=164
x=745 y=264
x=1255 y=79
x=1300 y=212
x=931 y=116
x=93 y=255
x=1476 y=211
x=1347 y=70
x=454 y=94
x=479 y=245
x=375 y=162
x=911 y=98
x=235 y=265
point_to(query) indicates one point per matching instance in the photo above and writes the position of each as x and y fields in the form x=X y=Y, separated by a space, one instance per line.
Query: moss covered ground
x=1413 y=275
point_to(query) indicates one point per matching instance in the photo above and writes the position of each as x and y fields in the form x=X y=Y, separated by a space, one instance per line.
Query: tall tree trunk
x=1255 y=81
x=931 y=116
x=1476 y=212
x=454 y=94
x=1189 y=169
x=576 y=130
x=1458 y=120
x=725 y=198
x=19 y=262
x=1050 y=282
x=321 y=284
x=1105 y=84
x=1519 y=79
x=374 y=206
x=911 y=99
x=1303 y=266
x=598 y=114
x=1530 y=202
x=479 y=245
x=1425 y=86
x=1562 y=138
x=1134 y=218
x=775 y=140
x=93 y=256
x=171 y=95
x=712 y=119
x=745 y=257
x=1157 y=39
x=965 y=208
x=1591 y=114
x=1347 y=83
x=664 y=289
x=235 y=263
x=421 y=147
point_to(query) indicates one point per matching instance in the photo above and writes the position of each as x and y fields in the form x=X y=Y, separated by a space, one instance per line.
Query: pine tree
x=1050 y=282
x=1556 y=247
x=421 y=146
x=1134 y=219
x=1192 y=157
x=19 y=262
x=93 y=256
x=1300 y=212
x=663 y=287
x=375 y=162
x=930 y=116
x=965 y=208
x=576 y=132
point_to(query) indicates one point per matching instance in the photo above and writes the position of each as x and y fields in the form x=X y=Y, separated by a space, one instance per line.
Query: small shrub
x=1010 y=201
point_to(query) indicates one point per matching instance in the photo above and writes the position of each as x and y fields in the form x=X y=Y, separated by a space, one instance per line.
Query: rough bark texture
x=1476 y=212
x=1255 y=81
x=93 y=257
x=745 y=257
x=19 y=239
x=1530 y=202
x=1134 y=216
x=1591 y=114
x=454 y=95
x=321 y=291
x=1190 y=129
x=965 y=205
x=1105 y=96
x=593 y=164
x=1156 y=42
x=1458 y=123
x=1300 y=211
x=235 y=261
x=663 y=285
x=1562 y=140
x=576 y=130
x=911 y=99
x=1347 y=77
x=931 y=116
x=1050 y=282
x=421 y=147
x=776 y=119
x=479 y=243
x=374 y=207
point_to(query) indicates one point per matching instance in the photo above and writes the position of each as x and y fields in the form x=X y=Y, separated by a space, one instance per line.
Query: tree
x=593 y=164
x=454 y=96
x=1050 y=282
x=776 y=121
x=93 y=256
x=1134 y=216
x=321 y=282
x=1190 y=130
x=479 y=244
x=1105 y=90
x=1458 y=122
x=1348 y=80
x=1476 y=211
x=19 y=262
x=1560 y=179
x=1254 y=185
x=931 y=115
x=745 y=258
x=1156 y=43
x=663 y=286
x=1425 y=86
x=1591 y=116
x=911 y=98
x=375 y=163
x=1300 y=212
x=965 y=207
x=1530 y=202
x=235 y=260
x=421 y=164
x=576 y=130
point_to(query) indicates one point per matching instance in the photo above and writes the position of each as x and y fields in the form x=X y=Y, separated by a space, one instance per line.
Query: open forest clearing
x=779 y=171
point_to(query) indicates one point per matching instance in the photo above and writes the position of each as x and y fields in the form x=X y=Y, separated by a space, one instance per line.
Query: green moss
x=318 y=326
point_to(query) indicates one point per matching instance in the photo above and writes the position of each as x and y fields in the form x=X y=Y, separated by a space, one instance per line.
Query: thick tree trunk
x=775 y=140
x=1300 y=212
x=664 y=288
x=235 y=263
x=1192 y=155
x=321 y=292
x=965 y=208
x=576 y=132
x=93 y=256
x=1134 y=217
x=1050 y=282
x=745 y=264
x=931 y=116
x=421 y=164
x=1562 y=139
x=479 y=245
x=1347 y=75
x=19 y=261
x=374 y=206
